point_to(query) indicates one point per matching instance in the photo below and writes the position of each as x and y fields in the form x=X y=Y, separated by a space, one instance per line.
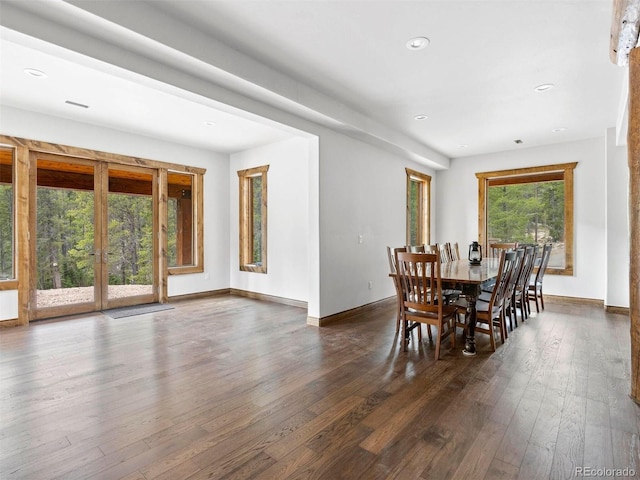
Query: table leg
x=471 y=293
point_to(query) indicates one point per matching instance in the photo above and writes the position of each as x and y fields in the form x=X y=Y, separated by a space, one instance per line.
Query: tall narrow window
x=418 y=207
x=253 y=219
x=530 y=205
x=180 y=223
x=6 y=214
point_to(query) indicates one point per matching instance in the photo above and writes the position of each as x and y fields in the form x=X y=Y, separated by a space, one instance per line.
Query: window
x=253 y=219
x=418 y=207
x=180 y=231
x=185 y=242
x=530 y=205
x=7 y=220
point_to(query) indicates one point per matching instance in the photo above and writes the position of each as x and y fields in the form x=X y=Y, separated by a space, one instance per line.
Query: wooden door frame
x=25 y=147
x=59 y=310
x=104 y=281
x=100 y=184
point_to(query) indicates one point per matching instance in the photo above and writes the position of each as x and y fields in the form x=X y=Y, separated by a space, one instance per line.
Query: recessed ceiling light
x=32 y=72
x=544 y=87
x=76 y=104
x=420 y=117
x=463 y=145
x=558 y=130
x=518 y=141
x=417 y=43
x=209 y=123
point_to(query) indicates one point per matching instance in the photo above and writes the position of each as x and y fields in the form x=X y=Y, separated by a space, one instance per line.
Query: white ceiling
x=336 y=62
x=120 y=100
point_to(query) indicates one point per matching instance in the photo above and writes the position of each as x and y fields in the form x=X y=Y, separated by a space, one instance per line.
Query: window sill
x=186 y=269
x=253 y=268
x=8 y=284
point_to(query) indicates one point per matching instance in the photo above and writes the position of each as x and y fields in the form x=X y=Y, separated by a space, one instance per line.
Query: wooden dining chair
x=432 y=248
x=454 y=252
x=496 y=248
x=445 y=255
x=490 y=314
x=519 y=298
x=508 y=306
x=420 y=283
x=494 y=251
x=535 y=282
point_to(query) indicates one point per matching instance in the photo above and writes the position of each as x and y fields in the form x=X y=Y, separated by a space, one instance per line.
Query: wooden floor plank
x=231 y=387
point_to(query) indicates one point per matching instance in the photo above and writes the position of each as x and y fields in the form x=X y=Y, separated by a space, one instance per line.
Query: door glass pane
x=6 y=213
x=65 y=261
x=130 y=234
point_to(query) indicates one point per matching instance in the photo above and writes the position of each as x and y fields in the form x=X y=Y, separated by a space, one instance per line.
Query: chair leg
x=493 y=340
x=405 y=338
x=523 y=315
x=438 y=341
x=541 y=298
x=452 y=330
x=491 y=336
x=504 y=327
x=535 y=296
x=493 y=325
x=504 y=333
x=399 y=312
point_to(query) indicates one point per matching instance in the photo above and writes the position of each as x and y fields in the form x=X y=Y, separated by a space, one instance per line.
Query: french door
x=95 y=230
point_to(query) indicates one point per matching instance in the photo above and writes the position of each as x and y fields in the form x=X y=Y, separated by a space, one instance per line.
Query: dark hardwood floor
x=230 y=387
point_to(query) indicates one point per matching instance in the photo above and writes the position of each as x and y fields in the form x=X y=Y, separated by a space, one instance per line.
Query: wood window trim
x=245 y=246
x=561 y=171
x=198 y=218
x=426 y=204
x=77 y=152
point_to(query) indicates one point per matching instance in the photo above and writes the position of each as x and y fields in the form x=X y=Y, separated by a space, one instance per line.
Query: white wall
x=8 y=305
x=458 y=201
x=362 y=192
x=287 y=220
x=617 y=223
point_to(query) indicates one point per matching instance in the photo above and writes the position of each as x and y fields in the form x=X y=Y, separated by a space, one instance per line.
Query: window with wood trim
x=182 y=207
x=530 y=206
x=418 y=208
x=7 y=217
x=253 y=219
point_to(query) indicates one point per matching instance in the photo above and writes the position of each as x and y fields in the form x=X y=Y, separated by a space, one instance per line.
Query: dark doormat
x=136 y=310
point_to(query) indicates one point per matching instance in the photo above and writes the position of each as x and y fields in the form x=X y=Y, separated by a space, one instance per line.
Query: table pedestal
x=471 y=292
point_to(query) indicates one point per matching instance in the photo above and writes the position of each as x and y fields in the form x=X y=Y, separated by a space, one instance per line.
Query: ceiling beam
x=159 y=48
x=625 y=25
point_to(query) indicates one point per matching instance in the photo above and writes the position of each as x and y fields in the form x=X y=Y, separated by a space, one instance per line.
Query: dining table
x=470 y=280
